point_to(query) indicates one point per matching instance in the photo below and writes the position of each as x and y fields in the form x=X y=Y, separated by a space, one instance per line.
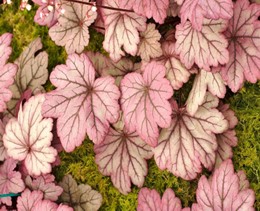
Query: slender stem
x=98 y=27
x=101 y=6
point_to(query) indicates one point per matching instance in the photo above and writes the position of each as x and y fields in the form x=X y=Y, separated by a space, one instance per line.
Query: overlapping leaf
x=32 y=73
x=80 y=197
x=150 y=200
x=244 y=45
x=44 y=183
x=71 y=30
x=206 y=47
x=145 y=102
x=121 y=30
x=29 y=138
x=122 y=156
x=197 y=10
x=47 y=13
x=10 y=180
x=222 y=191
x=190 y=140
x=148 y=8
x=28 y=200
x=176 y=72
x=7 y=71
x=149 y=46
x=2 y=148
x=81 y=103
x=205 y=81
x=228 y=139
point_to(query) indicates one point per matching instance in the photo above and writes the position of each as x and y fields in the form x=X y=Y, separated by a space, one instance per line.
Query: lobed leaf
x=206 y=47
x=71 y=30
x=121 y=30
x=122 y=156
x=29 y=138
x=190 y=141
x=145 y=103
x=81 y=103
x=243 y=33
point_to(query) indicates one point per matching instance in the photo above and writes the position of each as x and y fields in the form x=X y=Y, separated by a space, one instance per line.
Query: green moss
x=246 y=104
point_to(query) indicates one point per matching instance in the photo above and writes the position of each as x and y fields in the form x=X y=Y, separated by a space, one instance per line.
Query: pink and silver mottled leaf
x=228 y=139
x=243 y=182
x=149 y=200
x=190 y=141
x=81 y=103
x=197 y=10
x=204 y=81
x=2 y=147
x=149 y=46
x=32 y=73
x=121 y=30
x=243 y=34
x=174 y=8
x=28 y=200
x=122 y=156
x=145 y=103
x=63 y=207
x=5 y=49
x=10 y=180
x=29 y=138
x=206 y=47
x=176 y=72
x=148 y=8
x=49 y=189
x=71 y=30
x=80 y=197
x=47 y=13
x=222 y=191
x=45 y=205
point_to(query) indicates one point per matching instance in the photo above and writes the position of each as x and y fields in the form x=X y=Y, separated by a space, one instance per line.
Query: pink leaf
x=244 y=34
x=204 y=81
x=71 y=30
x=47 y=13
x=176 y=72
x=145 y=102
x=2 y=147
x=32 y=73
x=45 y=205
x=29 y=138
x=197 y=10
x=149 y=46
x=243 y=182
x=122 y=156
x=174 y=8
x=148 y=8
x=49 y=189
x=227 y=139
x=81 y=103
x=63 y=207
x=149 y=200
x=121 y=30
x=222 y=191
x=5 y=49
x=28 y=200
x=206 y=47
x=7 y=71
x=10 y=180
x=80 y=197
x=190 y=141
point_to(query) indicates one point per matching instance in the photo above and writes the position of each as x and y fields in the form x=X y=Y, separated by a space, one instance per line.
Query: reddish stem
x=101 y=6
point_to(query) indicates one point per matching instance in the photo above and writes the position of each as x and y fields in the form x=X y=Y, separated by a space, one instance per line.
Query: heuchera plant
x=125 y=101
